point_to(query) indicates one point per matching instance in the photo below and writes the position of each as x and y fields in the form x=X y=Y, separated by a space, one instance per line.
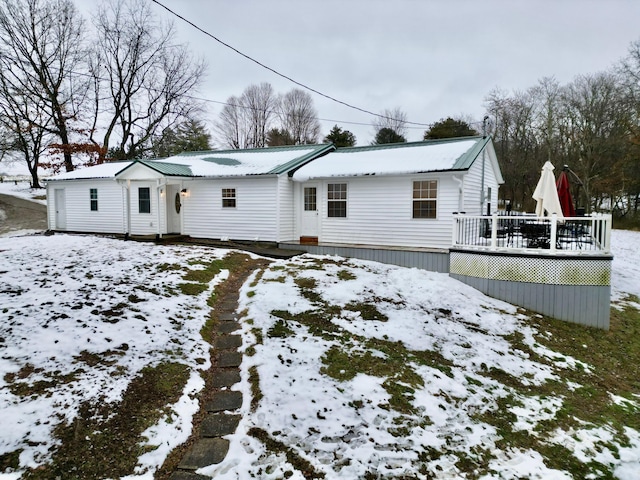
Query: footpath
x=220 y=404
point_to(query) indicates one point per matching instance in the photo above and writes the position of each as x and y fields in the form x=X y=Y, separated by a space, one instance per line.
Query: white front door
x=61 y=209
x=174 y=209
x=310 y=217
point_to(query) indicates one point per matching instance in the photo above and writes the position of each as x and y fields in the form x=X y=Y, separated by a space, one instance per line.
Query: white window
x=425 y=194
x=228 y=197
x=337 y=199
x=93 y=199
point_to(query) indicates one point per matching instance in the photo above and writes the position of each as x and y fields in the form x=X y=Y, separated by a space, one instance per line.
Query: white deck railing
x=590 y=235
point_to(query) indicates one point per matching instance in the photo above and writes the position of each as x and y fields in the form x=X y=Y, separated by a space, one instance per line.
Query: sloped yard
x=351 y=369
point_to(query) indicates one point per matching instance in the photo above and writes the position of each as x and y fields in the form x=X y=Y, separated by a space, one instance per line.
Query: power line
x=317 y=92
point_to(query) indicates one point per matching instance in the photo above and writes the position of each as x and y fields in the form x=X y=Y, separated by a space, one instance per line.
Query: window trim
x=145 y=200
x=93 y=200
x=231 y=198
x=335 y=201
x=426 y=199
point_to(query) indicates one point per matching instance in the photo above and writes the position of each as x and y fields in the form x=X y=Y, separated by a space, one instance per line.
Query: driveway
x=20 y=214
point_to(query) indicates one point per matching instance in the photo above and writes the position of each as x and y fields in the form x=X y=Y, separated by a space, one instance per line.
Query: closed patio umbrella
x=546 y=194
x=564 y=194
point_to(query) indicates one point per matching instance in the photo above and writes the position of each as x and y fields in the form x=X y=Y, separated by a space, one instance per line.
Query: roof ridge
x=420 y=143
x=315 y=146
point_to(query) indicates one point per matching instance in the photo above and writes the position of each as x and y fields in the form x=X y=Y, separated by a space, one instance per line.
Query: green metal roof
x=164 y=168
x=318 y=151
x=465 y=161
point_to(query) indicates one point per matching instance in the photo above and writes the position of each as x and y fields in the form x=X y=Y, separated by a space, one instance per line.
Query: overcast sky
x=431 y=58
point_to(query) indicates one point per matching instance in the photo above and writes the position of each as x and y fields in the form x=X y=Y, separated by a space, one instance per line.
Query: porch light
x=183 y=192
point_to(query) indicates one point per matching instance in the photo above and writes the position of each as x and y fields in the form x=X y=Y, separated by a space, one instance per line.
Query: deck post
x=494 y=231
x=554 y=233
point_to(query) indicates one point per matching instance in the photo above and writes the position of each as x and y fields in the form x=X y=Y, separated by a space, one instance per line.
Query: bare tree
x=41 y=50
x=231 y=128
x=25 y=127
x=246 y=121
x=259 y=103
x=597 y=124
x=148 y=78
x=298 y=117
x=394 y=119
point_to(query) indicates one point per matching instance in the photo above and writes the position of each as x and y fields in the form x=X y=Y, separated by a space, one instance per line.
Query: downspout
x=158 y=187
x=484 y=135
x=127 y=208
x=460 y=193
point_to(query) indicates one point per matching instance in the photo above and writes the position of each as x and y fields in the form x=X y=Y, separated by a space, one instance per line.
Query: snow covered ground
x=394 y=385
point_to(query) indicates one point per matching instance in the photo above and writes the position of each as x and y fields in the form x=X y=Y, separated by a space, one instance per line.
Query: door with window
x=309 y=221
x=173 y=209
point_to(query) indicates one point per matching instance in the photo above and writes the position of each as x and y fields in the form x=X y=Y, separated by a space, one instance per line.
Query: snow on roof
x=104 y=170
x=399 y=158
x=245 y=162
x=214 y=163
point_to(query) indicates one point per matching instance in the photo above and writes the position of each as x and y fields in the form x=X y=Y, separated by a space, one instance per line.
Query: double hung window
x=425 y=194
x=337 y=199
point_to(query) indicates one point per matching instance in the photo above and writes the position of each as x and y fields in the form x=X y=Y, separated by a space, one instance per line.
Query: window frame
x=229 y=197
x=418 y=209
x=337 y=207
x=144 y=202
x=93 y=199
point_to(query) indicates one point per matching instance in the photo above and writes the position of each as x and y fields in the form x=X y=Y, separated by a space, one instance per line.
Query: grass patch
x=368 y=311
x=193 y=289
x=256 y=393
x=345 y=275
x=10 y=460
x=302 y=465
x=280 y=330
x=104 y=439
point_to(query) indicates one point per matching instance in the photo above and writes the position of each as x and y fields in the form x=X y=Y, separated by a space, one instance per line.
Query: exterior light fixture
x=184 y=192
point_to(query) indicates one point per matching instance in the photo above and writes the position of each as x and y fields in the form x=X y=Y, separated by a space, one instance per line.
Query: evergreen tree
x=449 y=128
x=189 y=136
x=340 y=138
x=388 y=135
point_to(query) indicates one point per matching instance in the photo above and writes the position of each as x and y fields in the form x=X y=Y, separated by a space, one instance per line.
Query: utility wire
x=329 y=97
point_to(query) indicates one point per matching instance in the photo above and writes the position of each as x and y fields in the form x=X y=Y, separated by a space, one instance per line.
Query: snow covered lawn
x=365 y=370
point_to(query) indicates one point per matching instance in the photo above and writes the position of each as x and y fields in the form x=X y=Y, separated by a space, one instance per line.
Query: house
x=398 y=195
x=234 y=194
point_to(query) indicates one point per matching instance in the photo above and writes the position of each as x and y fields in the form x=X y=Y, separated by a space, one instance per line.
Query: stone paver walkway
x=221 y=415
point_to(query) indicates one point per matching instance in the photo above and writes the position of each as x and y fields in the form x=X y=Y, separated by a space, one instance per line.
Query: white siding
x=473 y=183
x=110 y=215
x=286 y=210
x=253 y=218
x=380 y=211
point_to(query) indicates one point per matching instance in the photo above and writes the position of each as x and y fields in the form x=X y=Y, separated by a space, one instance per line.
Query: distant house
x=400 y=195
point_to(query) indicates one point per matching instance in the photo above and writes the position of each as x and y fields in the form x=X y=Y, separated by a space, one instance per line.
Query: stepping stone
x=227 y=317
x=224 y=400
x=219 y=424
x=206 y=451
x=225 y=377
x=224 y=342
x=229 y=359
x=229 y=304
x=227 y=327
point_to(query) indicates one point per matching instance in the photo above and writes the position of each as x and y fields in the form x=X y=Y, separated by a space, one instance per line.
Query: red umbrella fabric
x=564 y=194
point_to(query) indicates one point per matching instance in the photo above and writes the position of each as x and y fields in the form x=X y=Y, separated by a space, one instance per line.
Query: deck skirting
x=573 y=288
